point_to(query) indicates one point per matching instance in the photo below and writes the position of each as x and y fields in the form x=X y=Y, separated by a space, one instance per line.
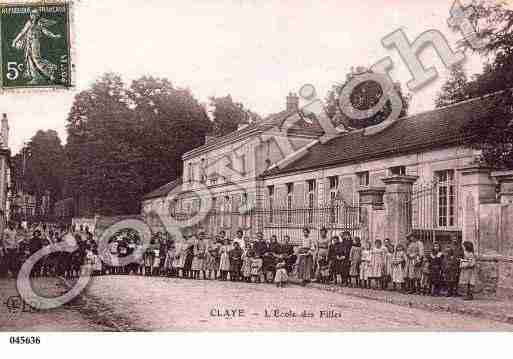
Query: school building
x=414 y=176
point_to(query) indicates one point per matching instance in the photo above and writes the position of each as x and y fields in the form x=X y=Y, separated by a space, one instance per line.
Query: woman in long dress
x=322 y=250
x=246 y=262
x=365 y=264
x=170 y=257
x=211 y=265
x=377 y=264
x=305 y=258
x=355 y=256
x=224 y=264
x=468 y=273
x=387 y=272
x=179 y=261
x=398 y=264
x=199 y=257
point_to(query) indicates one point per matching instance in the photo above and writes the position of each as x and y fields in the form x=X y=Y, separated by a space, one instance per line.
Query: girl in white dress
x=224 y=265
x=364 y=265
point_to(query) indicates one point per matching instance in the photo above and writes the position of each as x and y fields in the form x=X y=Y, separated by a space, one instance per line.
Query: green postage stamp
x=35 y=45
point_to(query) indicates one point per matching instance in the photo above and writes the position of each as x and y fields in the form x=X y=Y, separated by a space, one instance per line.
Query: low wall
x=495 y=260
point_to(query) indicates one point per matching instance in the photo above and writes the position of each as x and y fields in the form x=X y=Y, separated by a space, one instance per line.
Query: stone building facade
x=229 y=171
x=416 y=176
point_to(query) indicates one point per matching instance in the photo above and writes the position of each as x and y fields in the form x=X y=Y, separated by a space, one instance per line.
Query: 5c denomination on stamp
x=35 y=45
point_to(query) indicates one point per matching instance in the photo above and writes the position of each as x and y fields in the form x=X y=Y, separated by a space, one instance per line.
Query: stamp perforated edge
x=71 y=5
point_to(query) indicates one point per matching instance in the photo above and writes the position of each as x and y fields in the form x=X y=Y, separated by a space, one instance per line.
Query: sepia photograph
x=214 y=166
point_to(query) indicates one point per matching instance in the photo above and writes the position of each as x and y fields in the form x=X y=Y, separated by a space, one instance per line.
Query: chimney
x=292 y=102
x=209 y=138
x=242 y=126
x=4 y=131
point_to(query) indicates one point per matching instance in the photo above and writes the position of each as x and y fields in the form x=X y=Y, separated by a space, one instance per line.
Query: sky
x=257 y=51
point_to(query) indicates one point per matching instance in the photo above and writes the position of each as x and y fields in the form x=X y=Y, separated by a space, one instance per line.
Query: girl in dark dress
x=235 y=262
x=436 y=268
x=347 y=243
x=189 y=256
x=450 y=272
x=337 y=259
x=287 y=250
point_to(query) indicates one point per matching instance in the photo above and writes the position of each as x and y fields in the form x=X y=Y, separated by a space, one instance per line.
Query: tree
x=492 y=135
x=170 y=122
x=455 y=89
x=364 y=96
x=228 y=115
x=126 y=141
x=40 y=169
x=104 y=164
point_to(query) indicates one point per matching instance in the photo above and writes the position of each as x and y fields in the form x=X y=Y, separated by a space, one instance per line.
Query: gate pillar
x=505 y=182
x=477 y=187
x=371 y=202
x=398 y=190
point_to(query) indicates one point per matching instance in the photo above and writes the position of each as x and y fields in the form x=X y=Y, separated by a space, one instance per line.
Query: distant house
x=5 y=173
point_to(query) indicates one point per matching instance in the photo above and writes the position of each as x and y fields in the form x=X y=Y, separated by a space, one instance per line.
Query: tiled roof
x=267 y=123
x=431 y=129
x=163 y=190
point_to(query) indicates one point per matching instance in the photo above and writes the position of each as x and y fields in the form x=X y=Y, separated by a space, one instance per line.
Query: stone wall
x=495 y=249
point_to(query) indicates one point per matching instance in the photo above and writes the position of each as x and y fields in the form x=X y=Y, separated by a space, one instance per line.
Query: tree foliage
x=455 y=89
x=364 y=96
x=124 y=141
x=228 y=115
x=169 y=122
x=492 y=135
x=39 y=169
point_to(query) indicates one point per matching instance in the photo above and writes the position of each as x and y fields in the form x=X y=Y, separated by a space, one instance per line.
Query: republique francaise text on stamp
x=35 y=40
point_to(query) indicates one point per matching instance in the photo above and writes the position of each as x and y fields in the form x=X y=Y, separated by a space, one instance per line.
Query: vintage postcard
x=241 y=166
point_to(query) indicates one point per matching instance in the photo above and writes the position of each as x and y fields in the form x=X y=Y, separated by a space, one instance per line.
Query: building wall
x=247 y=157
x=422 y=164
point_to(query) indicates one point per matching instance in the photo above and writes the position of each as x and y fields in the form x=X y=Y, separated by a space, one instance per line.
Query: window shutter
x=281 y=193
x=236 y=218
x=299 y=195
x=347 y=189
x=375 y=179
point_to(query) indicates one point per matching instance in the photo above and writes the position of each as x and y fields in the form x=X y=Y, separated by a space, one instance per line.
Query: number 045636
x=25 y=340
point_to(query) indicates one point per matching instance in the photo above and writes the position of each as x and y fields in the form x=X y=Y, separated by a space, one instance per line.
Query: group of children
x=222 y=259
x=407 y=267
x=412 y=269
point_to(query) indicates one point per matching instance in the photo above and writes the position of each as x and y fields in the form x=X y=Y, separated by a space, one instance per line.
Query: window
x=244 y=215
x=333 y=198
x=333 y=187
x=270 y=190
x=311 y=199
x=214 y=203
x=203 y=169
x=174 y=208
x=290 y=194
x=446 y=197
x=397 y=171
x=217 y=213
x=196 y=205
x=226 y=212
x=363 y=179
x=243 y=165
x=191 y=172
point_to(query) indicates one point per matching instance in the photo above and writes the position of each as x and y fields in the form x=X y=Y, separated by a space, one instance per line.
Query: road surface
x=168 y=304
